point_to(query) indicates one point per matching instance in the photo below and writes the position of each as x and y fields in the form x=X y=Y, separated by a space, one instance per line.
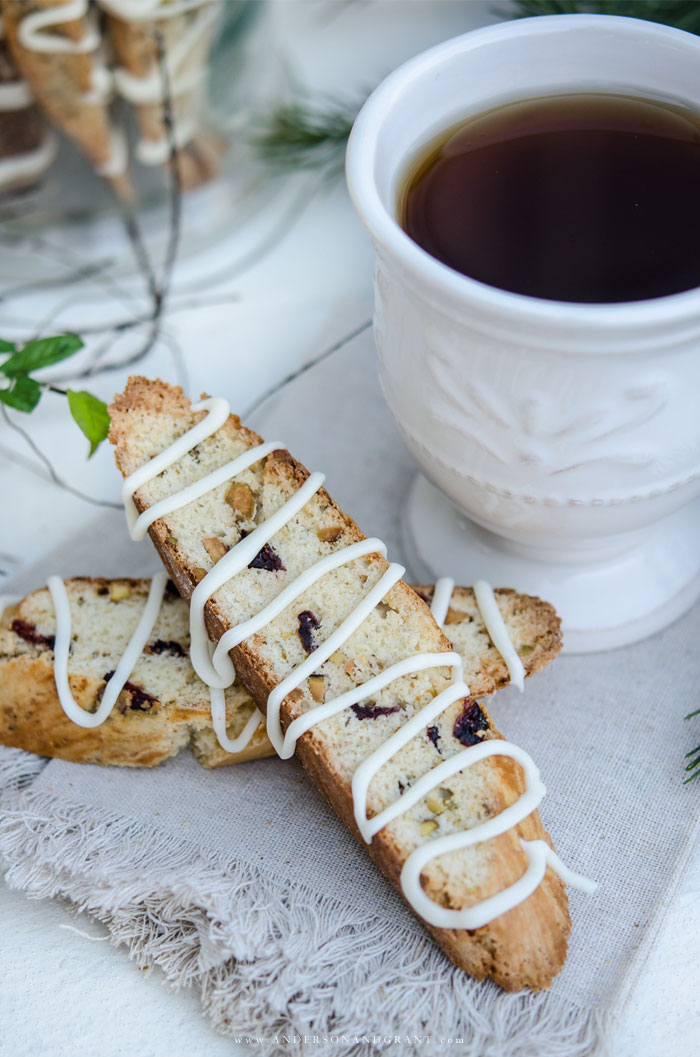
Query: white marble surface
x=62 y=994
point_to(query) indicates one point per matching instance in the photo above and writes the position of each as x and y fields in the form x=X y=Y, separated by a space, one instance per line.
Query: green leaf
x=41 y=353
x=91 y=415
x=23 y=394
x=7 y=346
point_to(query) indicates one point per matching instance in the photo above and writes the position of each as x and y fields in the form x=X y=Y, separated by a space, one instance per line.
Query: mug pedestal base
x=615 y=601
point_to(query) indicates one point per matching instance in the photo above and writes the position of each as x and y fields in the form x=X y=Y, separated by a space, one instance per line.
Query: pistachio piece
x=330 y=533
x=118 y=591
x=171 y=540
x=428 y=826
x=240 y=498
x=435 y=804
x=317 y=688
x=215 y=548
x=198 y=573
x=526 y=650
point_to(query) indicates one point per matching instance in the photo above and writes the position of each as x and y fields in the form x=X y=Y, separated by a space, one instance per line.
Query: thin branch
x=83 y=271
x=48 y=465
x=326 y=354
x=175 y=189
x=61 y=252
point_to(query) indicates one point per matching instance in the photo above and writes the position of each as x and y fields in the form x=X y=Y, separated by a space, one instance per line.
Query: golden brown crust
x=525 y=947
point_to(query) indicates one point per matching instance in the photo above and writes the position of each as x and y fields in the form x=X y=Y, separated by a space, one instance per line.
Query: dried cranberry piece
x=469 y=723
x=308 y=623
x=141 y=700
x=370 y=710
x=267 y=558
x=28 y=632
x=163 y=646
x=434 y=735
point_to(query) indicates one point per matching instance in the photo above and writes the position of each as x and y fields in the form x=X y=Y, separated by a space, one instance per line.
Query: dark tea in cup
x=580 y=197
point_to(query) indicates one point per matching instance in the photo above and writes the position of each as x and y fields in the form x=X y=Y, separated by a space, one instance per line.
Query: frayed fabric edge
x=298 y=973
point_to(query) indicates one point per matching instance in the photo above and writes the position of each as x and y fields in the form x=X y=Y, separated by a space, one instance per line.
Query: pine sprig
x=684 y=14
x=307 y=134
x=694 y=755
x=22 y=391
x=302 y=135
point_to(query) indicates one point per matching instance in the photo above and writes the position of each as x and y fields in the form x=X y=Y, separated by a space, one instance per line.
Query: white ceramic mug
x=569 y=434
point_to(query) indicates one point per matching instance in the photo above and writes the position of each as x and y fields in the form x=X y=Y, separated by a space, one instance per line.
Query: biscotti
x=57 y=46
x=164 y=687
x=185 y=33
x=163 y=707
x=27 y=147
x=178 y=462
x=78 y=57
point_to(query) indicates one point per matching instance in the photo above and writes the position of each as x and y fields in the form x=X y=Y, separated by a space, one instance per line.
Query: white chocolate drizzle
x=32 y=33
x=495 y=625
x=157 y=151
x=131 y=654
x=218 y=718
x=215 y=667
x=29 y=165
x=442 y=596
x=14 y=95
x=493 y=622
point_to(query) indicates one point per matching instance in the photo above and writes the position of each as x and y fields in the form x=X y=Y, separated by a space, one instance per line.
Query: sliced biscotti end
x=149 y=415
x=162 y=706
x=533 y=626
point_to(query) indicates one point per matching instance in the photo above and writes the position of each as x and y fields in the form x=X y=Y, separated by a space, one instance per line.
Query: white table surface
x=64 y=994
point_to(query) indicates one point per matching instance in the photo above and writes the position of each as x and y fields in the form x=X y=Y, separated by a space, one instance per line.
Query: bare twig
x=313 y=362
x=51 y=472
x=83 y=271
x=59 y=253
x=175 y=190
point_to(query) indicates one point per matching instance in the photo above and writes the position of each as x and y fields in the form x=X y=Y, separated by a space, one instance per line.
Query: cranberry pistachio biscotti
x=317 y=621
x=162 y=706
x=58 y=705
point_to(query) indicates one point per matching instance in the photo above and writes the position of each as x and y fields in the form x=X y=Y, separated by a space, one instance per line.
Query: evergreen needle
x=684 y=14
x=302 y=135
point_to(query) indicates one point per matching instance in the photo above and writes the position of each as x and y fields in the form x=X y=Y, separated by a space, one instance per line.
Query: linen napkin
x=242 y=882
